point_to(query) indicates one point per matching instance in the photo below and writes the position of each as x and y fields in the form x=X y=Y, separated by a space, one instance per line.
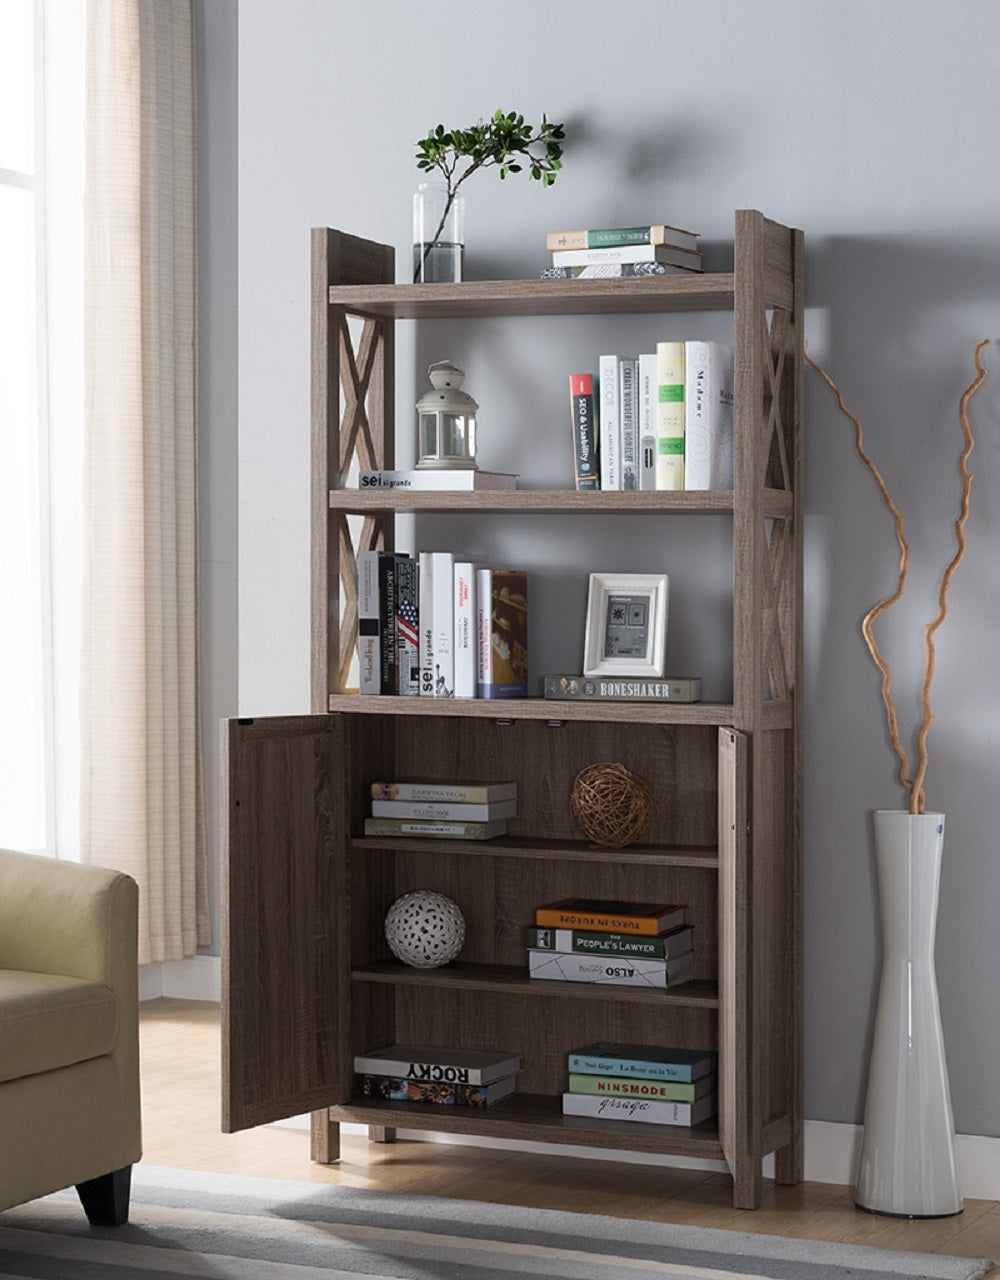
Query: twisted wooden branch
x=915 y=785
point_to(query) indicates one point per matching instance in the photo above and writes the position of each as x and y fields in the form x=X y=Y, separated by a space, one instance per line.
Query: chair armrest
x=64 y=917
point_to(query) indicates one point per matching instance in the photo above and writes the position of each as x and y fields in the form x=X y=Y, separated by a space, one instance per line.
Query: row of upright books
x=614 y=943
x=438 y=1074
x=647 y=1083
x=441 y=810
x=436 y=626
x=661 y=420
x=622 y=251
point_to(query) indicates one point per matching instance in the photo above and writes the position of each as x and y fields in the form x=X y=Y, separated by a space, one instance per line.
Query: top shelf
x=694 y=292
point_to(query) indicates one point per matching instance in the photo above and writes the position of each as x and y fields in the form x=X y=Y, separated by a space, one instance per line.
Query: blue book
x=648 y=1061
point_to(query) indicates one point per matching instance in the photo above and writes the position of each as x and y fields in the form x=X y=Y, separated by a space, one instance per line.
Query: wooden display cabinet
x=308 y=980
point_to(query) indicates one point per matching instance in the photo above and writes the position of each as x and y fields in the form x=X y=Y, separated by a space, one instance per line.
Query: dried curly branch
x=915 y=785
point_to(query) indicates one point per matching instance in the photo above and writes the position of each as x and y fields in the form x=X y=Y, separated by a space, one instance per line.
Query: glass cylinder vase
x=907 y=1164
x=438 y=235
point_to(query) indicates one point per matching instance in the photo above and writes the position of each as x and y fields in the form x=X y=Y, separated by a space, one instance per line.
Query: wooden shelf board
x=710 y=713
x=537 y=1118
x=541 y=501
x=545 y=850
x=514 y=978
x=693 y=292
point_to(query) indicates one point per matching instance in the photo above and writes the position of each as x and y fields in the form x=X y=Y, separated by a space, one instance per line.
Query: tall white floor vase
x=907 y=1164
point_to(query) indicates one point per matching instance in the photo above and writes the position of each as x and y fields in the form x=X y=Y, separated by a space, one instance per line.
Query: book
x=620 y=971
x=647 y=421
x=437 y=830
x=442 y=810
x=407 y=597
x=583 y=419
x=658 y=233
x=649 y=1061
x=465 y=629
x=610 y=916
x=437 y=624
x=613 y=270
x=689 y=258
x=502 y=627
x=627 y=946
x=657 y=1090
x=467 y=479
x=670 y=415
x=369 y=640
x=612 y=1108
x=387 y=620
x=638 y=689
x=399 y=1089
x=438 y=1063
x=448 y=791
x=628 y=414
x=708 y=415
x=609 y=422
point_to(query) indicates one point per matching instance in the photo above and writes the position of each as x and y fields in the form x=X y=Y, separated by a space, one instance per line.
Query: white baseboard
x=831 y=1154
x=197 y=978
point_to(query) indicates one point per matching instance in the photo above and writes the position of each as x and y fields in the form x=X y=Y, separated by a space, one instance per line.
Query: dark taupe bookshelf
x=308 y=980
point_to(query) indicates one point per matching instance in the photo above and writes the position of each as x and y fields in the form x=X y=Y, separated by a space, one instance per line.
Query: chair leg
x=105 y=1199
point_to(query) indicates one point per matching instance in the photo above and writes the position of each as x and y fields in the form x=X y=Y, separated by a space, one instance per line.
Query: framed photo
x=626 y=625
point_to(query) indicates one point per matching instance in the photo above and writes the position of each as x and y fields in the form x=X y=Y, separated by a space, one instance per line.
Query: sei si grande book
x=656 y=1090
x=649 y=1061
x=620 y=971
x=610 y=916
x=466 y=480
x=641 y=1109
x=438 y=1063
x=596 y=942
x=398 y=1089
x=639 y=689
x=458 y=792
x=601 y=237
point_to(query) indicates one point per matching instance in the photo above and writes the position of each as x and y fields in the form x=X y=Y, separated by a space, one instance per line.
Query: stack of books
x=660 y=420
x=648 y=1083
x=630 y=944
x=622 y=251
x=441 y=810
x=439 y=626
x=435 y=1073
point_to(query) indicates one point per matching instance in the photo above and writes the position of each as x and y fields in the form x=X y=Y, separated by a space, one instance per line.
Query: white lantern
x=446 y=422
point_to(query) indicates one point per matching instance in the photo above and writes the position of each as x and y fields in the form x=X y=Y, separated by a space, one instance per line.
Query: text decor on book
x=438 y=1063
x=592 y=688
x=571 y=966
x=681 y=1113
x=599 y=237
x=648 y=1061
x=690 y=261
x=657 y=1090
x=610 y=916
x=456 y=792
x=437 y=830
x=665 y=947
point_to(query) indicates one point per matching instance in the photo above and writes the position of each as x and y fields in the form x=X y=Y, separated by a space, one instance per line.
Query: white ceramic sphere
x=425 y=929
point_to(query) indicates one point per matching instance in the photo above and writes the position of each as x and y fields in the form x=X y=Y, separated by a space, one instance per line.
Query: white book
x=442 y=655
x=610 y=1107
x=708 y=415
x=689 y=258
x=484 y=630
x=458 y=480
x=629 y=419
x=442 y=811
x=575 y=966
x=670 y=415
x=425 y=621
x=369 y=654
x=647 y=421
x=609 y=423
x=465 y=629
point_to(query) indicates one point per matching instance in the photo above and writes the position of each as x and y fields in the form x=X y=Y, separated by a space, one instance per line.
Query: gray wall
x=869 y=126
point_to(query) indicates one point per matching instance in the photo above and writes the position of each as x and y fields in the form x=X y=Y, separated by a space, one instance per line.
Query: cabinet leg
x=789 y=1162
x=747 y=1186
x=381 y=1133
x=324 y=1146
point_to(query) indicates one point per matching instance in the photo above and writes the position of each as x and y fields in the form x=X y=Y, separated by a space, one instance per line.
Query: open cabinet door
x=285 y=938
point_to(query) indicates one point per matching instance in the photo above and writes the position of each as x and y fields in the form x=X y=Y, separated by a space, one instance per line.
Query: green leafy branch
x=505 y=141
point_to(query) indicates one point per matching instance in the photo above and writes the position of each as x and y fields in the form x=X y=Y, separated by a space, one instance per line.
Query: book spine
x=670 y=415
x=609 y=944
x=708 y=415
x=647 y=422
x=369 y=659
x=407 y=627
x=562 y=966
x=557 y=918
x=443 y=621
x=655 y=1090
x=426 y=620
x=507 y=638
x=595 y=238
x=435 y=1072
x=585 y=459
x=435 y=830
x=484 y=648
x=445 y=792
x=609 y=429
x=638 y=1068
x=630 y=253
x=438 y=811
x=465 y=629
x=399 y=1089
x=387 y=621
x=628 y=409
x=463 y=481
x=612 y=271
x=594 y=689
x=610 y=1108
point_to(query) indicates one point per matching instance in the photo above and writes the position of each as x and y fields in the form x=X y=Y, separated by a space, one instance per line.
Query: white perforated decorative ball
x=425 y=929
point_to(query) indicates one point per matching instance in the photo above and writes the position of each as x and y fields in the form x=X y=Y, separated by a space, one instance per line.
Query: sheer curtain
x=141 y=784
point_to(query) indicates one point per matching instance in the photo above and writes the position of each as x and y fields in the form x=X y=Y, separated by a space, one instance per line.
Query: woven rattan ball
x=611 y=804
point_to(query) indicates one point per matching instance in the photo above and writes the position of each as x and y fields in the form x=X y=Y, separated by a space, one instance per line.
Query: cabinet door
x=285 y=938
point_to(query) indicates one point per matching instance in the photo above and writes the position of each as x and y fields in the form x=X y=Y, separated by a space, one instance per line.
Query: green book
x=659 y=1090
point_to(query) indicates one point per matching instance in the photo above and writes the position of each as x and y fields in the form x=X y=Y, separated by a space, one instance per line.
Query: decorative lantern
x=446 y=417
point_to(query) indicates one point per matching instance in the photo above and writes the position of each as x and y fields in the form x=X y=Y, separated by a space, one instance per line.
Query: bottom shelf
x=536 y=1118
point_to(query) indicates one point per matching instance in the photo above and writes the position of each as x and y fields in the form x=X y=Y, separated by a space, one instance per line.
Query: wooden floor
x=181 y=1092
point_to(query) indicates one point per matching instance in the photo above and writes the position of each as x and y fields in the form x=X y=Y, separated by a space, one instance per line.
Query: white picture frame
x=634 y=644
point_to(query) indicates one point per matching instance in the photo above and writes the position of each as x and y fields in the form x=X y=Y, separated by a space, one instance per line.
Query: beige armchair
x=69 y=1039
